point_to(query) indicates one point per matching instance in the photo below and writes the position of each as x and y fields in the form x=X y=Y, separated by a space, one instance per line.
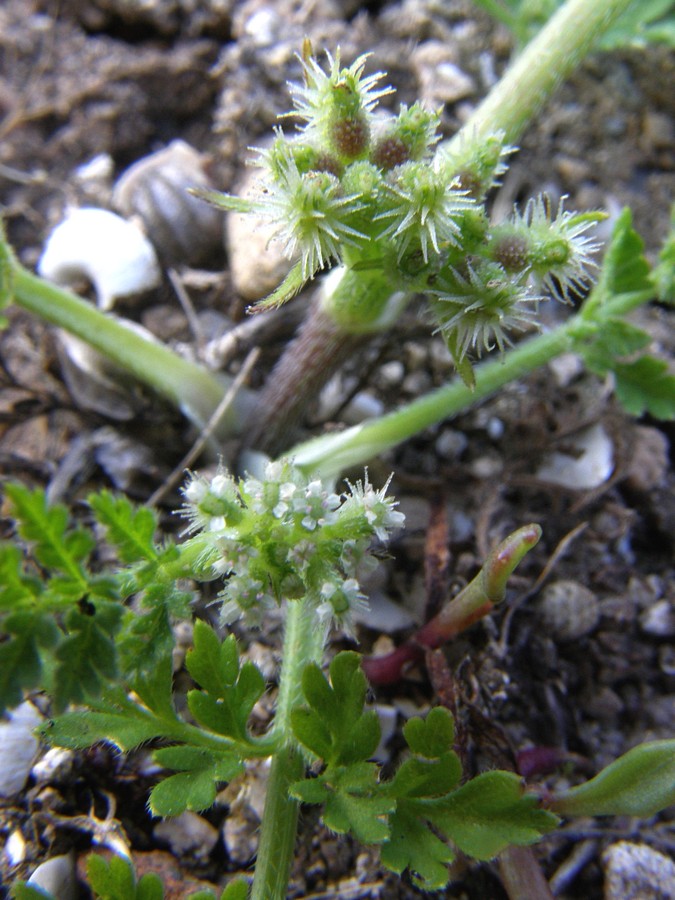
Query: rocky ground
x=581 y=656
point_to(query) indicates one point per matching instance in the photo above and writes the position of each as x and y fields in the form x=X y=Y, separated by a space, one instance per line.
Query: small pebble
x=566 y=368
x=257 y=262
x=659 y=620
x=487 y=466
x=649 y=461
x=450 y=444
x=15 y=848
x=568 y=610
x=440 y=78
x=390 y=374
x=363 y=405
x=54 y=766
x=188 y=833
x=637 y=872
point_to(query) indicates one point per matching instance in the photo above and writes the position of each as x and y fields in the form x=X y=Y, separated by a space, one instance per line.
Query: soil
x=580 y=656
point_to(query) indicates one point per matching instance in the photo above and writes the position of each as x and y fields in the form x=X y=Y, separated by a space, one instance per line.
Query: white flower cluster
x=287 y=537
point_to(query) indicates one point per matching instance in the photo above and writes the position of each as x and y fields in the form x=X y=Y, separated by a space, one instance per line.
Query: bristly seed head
x=560 y=252
x=478 y=307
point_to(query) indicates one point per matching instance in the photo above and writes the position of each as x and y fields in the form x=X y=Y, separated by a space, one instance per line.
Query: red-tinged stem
x=476 y=600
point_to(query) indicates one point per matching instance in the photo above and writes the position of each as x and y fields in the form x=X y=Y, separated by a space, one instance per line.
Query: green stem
x=190 y=387
x=546 y=61
x=304 y=641
x=331 y=454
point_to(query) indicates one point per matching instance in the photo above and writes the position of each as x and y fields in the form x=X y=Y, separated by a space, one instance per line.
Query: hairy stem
x=315 y=354
x=331 y=454
x=304 y=641
x=547 y=60
x=189 y=386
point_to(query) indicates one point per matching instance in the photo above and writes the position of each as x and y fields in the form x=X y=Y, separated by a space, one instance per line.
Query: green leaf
x=352 y=801
x=640 y=24
x=86 y=660
x=643 y=385
x=146 y=639
x=115 y=879
x=639 y=783
x=23 y=891
x=624 y=268
x=194 y=787
x=213 y=664
x=55 y=547
x=155 y=689
x=413 y=846
x=118 y=721
x=235 y=890
x=422 y=778
x=230 y=693
x=150 y=887
x=335 y=726
x=663 y=275
x=290 y=287
x=646 y=386
x=20 y=662
x=226 y=202
x=7 y=264
x=431 y=737
x=487 y=814
x=130 y=529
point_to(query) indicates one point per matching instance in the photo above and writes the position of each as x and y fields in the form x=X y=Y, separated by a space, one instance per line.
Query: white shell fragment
x=18 y=748
x=183 y=228
x=589 y=463
x=112 y=253
x=57 y=876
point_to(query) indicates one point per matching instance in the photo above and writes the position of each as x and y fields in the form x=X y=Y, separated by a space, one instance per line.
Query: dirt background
x=87 y=89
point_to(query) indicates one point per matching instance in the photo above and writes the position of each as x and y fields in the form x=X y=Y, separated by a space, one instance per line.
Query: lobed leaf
x=352 y=801
x=194 y=785
x=20 y=660
x=55 y=546
x=230 y=692
x=117 y=720
x=413 y=846
x=130 y=529
x=334 y=726
x=646 y=386
x=115 y=879
x=433 y=736
x=487 y=814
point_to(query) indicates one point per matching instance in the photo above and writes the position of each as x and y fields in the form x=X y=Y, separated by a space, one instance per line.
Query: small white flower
x=340 y=600
x=379 y=511
x=319 y=506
